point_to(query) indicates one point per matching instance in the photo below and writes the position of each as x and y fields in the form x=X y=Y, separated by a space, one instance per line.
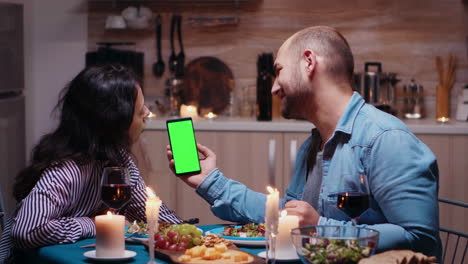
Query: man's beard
x=292 y=107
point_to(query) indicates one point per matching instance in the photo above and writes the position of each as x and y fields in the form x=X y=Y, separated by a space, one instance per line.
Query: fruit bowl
x=334 y=244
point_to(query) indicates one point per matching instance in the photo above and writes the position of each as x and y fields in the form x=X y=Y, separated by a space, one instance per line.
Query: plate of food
x=196 y=249
x=139 y=230
x=250 y=234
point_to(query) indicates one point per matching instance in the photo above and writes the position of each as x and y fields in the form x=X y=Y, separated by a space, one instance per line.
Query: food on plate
x=213 y=240
x=141 y=228
x=178 y=237
x=334 y=251
x=247 y=230
x=218 y=252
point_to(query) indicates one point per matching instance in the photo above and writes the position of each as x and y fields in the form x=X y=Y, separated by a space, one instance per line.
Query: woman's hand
x=207 y=164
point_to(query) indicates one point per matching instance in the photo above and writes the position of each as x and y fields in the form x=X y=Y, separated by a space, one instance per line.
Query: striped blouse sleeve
x=40 y=219
x=136 y=208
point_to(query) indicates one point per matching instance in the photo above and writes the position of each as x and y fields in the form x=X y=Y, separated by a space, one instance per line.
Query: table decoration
x=284 y=245
x=153 y=203
x=110 y=237
x=271 y=222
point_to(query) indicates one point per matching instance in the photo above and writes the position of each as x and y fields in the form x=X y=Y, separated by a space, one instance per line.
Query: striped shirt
x=60 y=207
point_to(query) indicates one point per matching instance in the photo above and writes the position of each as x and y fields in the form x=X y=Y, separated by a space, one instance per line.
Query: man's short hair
x=328 y=43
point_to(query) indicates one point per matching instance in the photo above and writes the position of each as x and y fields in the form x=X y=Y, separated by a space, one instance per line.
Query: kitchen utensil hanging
x=179 y=71
x=172 y=58
x=158 y=66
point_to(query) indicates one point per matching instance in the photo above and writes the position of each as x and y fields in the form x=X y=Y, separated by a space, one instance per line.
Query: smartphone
x=184 y=146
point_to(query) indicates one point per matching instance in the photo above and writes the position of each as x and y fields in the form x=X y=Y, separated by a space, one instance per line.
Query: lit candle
x=189 y=111
x=152 y=208
x=284 y=245
x=110 y=235
x=271 y=221
x=271 y=210
x=153 y=203
x=210 y=116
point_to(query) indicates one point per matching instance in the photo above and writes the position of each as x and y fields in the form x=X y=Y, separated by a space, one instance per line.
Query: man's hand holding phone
x=207 y=164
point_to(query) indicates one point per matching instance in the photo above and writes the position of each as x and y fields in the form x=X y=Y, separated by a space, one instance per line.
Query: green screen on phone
x=184 y=146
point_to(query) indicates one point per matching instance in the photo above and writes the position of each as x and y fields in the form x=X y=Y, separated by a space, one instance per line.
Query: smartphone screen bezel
x=170 y=143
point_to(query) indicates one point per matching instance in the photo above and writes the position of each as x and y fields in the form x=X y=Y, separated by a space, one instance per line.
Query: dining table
x=74 y=254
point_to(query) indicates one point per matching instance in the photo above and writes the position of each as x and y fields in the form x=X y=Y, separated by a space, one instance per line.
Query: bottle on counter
x=264 y=84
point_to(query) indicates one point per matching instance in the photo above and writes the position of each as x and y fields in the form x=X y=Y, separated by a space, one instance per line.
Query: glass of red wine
x=353 y=197
x=115 y=187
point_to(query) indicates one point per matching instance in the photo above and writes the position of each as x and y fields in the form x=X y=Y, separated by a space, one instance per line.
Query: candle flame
x=210 y=115
x=443 y=119
x=109 y=213
x=150 y=192
x=284 y=213
x=270 y=189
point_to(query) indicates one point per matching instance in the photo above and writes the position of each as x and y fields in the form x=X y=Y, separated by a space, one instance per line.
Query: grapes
x=172 y=247
x=185 y=239
x=196 y=241
x=161 y=242
x=178 y=237
x=197 y=233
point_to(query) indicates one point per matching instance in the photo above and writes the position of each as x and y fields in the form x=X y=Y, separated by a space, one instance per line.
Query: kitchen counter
x=423 y=126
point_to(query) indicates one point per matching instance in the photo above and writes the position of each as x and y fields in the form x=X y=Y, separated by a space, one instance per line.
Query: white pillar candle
x=189 y=111
x=271 y=210
x=284 y=245
x=153 y=203
x=110 y=235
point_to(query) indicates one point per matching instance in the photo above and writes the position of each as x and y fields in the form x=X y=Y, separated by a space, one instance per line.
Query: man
x=314 y=70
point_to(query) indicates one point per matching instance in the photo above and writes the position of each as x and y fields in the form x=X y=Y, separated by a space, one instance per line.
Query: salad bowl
x=334 y=244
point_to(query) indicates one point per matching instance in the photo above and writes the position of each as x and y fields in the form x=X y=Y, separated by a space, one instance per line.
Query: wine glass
x=353 y=196
x=115 y=187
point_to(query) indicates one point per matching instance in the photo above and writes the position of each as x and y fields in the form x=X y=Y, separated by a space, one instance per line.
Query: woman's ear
x=311 y=61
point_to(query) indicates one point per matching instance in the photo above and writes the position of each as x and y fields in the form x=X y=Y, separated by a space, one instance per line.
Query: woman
x=102 y=115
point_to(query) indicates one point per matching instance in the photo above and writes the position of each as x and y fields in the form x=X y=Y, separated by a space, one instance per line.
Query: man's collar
x=346 y=122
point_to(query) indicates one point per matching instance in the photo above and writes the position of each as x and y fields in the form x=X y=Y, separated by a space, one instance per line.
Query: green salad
x=247 y=230
x=335 y=251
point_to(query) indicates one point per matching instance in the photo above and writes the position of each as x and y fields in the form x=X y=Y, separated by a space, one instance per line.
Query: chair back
x=454 y=243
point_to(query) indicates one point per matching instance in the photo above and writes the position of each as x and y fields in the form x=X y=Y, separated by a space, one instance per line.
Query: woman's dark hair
x=96 y=111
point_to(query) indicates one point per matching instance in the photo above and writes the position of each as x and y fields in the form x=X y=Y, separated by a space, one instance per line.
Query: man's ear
x=311 y=60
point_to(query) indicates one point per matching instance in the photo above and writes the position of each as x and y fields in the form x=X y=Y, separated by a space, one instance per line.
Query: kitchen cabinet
x=450 y=151
x=244 y=156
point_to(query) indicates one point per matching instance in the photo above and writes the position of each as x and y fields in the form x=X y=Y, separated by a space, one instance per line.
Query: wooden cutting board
x=173 y=257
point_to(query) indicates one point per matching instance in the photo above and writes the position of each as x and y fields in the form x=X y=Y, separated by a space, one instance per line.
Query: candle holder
x=153 y=203
x=270 y=252
x=151 y=229
x=271 y=223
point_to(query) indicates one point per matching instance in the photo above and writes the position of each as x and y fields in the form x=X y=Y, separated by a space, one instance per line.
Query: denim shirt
x=401 y=171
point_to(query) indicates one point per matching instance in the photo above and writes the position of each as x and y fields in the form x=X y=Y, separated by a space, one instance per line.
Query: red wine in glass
x=353 y=196
x=353 y=203
x=116 y=195
x=115 y=187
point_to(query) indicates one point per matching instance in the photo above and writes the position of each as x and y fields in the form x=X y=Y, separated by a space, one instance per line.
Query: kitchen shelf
x=174 y=3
